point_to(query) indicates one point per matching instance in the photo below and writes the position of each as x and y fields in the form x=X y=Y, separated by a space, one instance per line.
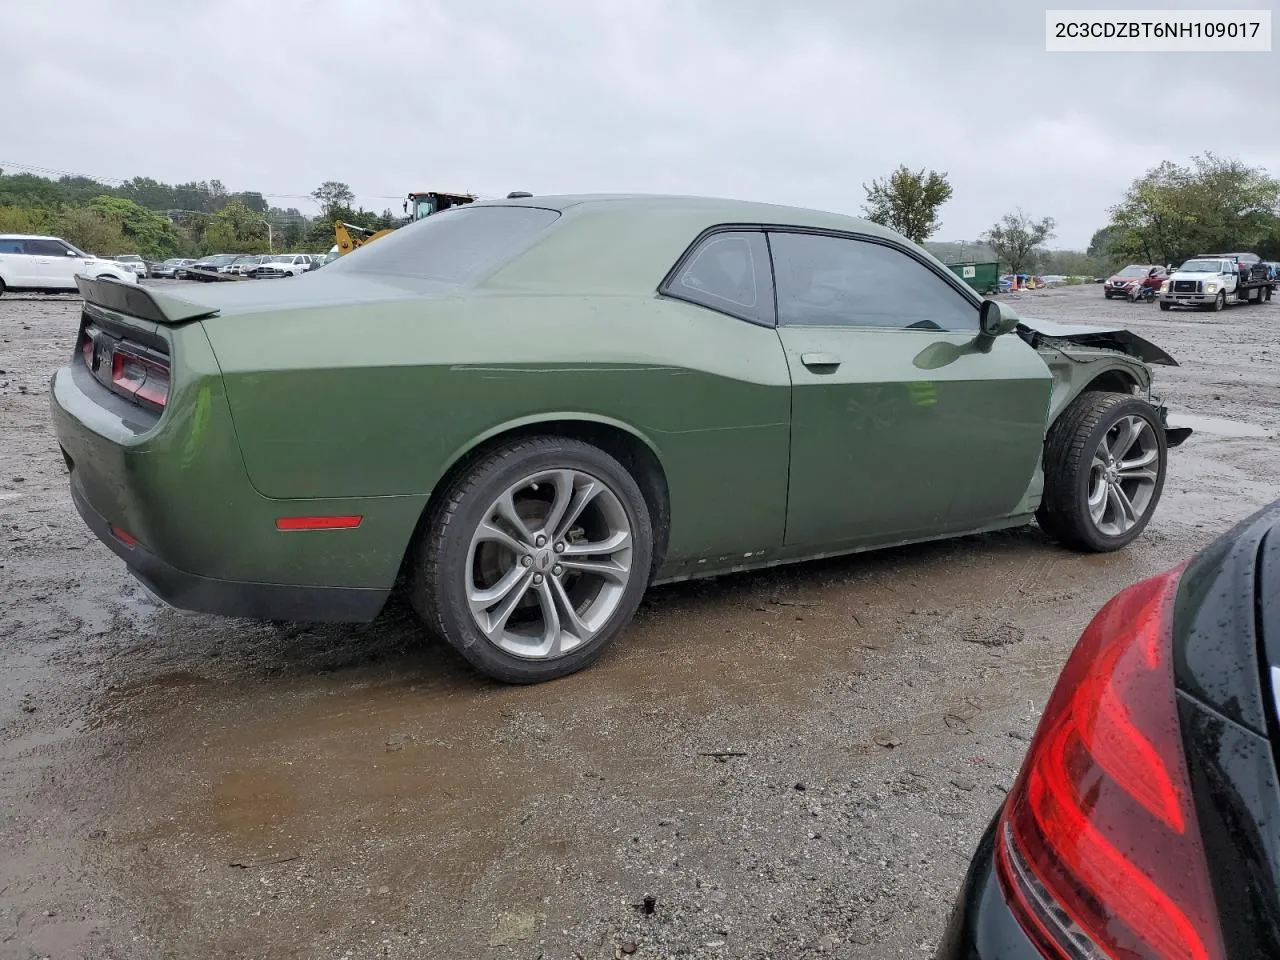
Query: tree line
x=158 y=220
x=1171 y=213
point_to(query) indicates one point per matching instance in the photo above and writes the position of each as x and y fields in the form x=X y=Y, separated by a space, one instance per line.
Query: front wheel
x=1220 y=301
x=1104 y=466
x=1165 y=305
x=535 y=559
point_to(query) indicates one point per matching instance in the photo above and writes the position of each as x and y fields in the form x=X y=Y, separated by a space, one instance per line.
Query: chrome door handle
x=827 y=361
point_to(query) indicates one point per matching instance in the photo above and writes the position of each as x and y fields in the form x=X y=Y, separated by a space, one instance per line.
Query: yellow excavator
x=348 y=236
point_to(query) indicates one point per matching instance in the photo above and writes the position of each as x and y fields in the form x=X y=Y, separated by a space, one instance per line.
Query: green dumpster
x=983 y=277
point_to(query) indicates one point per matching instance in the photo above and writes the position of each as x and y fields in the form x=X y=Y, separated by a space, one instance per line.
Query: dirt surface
x=789 y=764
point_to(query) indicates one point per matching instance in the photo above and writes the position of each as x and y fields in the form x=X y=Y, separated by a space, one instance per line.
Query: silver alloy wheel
x=1123 y=475
x=548 y=564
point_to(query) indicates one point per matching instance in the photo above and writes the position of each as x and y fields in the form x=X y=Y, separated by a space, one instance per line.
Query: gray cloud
x=794 y=103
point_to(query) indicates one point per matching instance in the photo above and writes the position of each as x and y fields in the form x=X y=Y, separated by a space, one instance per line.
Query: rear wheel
x=1 y=288
x=1104 y=465
x=535 y=559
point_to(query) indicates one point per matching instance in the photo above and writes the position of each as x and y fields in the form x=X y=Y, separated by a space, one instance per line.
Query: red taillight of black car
x=1098 y=850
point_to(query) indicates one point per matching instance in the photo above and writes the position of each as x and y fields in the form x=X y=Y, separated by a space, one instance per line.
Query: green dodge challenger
x=527 y=411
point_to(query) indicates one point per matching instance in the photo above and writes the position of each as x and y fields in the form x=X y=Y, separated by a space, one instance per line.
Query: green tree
x=91 y=231
x=908 y=201
x=333 y=196
x=235 y=229
x=1175 y=211
x=153 y=236
x=1018 y=240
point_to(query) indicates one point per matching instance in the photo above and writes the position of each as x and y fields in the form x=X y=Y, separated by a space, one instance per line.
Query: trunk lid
x=200 y=302
x=1226 y=658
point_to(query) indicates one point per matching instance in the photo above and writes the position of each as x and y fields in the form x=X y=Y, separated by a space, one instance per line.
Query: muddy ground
x=190 y=787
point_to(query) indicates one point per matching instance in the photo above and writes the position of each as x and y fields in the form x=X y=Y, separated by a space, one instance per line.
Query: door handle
x=820 y=360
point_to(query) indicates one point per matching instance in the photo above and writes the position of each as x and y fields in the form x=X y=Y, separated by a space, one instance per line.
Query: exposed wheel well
x=626 y=448
x=1114 y=381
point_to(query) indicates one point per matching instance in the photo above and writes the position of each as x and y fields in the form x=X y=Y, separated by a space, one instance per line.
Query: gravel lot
x=788 y=764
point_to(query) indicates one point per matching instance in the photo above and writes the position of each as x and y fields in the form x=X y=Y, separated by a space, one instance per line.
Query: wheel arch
x=1071 y=379
x=627 y=445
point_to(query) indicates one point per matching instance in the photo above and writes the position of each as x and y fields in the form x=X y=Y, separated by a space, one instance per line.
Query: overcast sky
x=798 y=102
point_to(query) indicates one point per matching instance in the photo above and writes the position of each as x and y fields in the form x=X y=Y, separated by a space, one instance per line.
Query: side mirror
x=994 y=320
x=72 y=253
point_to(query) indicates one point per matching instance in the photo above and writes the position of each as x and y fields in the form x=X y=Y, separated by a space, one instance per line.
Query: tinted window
x=46 y=248
x=12 y=246
x=836 y=281
x=728 y=272
x=457 y=245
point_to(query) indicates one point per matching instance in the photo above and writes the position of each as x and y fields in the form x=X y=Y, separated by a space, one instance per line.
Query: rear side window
x=12 y=246
x=457 y=245
x=727 y=271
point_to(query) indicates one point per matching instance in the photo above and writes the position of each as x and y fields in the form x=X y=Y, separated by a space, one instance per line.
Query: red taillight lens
x=86 y=348
x=139 y=377
x=1099 y=853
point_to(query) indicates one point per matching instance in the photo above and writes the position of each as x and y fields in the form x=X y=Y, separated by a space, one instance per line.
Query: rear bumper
x=982 y=927
x=196 y=532
x=232 y=598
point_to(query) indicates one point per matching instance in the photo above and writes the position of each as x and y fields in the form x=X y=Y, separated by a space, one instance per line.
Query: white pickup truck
x=1212 y=281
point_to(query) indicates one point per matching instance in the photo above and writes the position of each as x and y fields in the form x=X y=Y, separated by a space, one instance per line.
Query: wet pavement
x=786 y=764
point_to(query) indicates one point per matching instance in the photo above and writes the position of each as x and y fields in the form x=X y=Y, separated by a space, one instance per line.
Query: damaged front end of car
x=1098 y=357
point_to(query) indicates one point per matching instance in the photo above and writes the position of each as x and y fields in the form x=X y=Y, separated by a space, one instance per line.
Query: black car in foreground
x=1145 y=822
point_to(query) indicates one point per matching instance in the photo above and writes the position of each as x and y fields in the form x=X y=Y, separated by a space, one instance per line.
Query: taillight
x=137 y=376
x=86 y=347
x=1099 y=853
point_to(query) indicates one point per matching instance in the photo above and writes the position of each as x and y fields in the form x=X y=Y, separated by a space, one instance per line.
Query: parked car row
x=255 y=266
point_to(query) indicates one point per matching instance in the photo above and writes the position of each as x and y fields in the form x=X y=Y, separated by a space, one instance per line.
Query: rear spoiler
x=144 y=303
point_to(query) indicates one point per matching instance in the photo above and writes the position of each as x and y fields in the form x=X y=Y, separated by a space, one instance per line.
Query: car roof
x=715 y=209
x=27 y=236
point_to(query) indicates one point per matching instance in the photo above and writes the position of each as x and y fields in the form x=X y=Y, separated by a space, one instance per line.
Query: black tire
x=1068 y=457
x=1165 y=306
x=439 y=561
x=1220 y=301
x=1 y=288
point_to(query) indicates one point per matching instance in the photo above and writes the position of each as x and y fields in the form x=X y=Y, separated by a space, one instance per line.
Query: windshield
x=1199 y=266
x=221 y=258
x=1133 y=271
x=279 y=258
x=457 y=245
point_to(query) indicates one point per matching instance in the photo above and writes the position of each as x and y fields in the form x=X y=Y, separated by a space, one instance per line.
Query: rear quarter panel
x=380 y=399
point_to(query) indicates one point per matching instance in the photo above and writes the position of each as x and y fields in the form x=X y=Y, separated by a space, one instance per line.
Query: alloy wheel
x=549 y=563
x=1123 y=475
